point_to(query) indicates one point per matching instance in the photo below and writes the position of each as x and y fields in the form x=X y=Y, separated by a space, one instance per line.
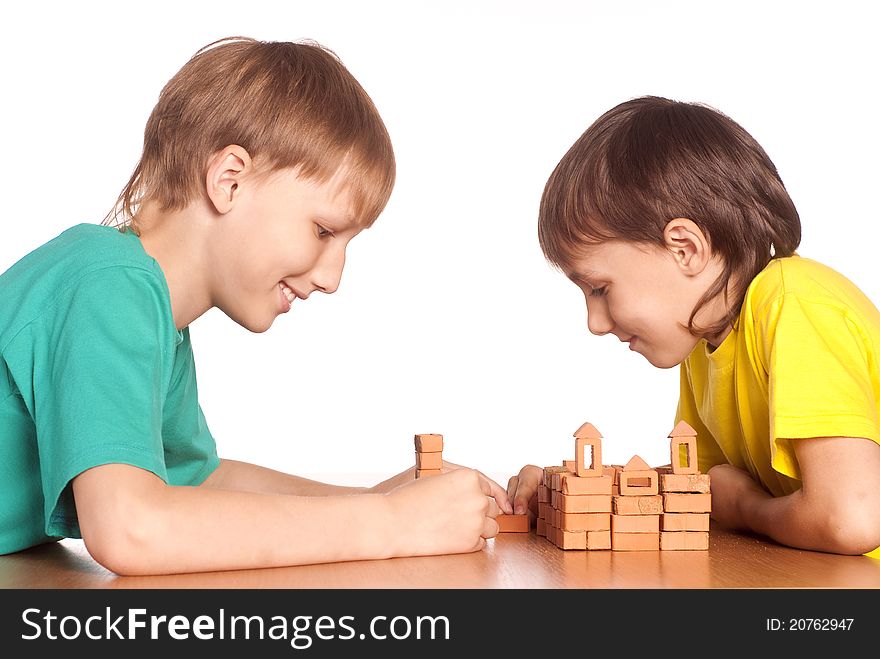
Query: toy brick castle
x=583 y=504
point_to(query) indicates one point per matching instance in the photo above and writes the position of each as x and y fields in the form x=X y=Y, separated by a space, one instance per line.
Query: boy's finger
x=511 y=486
x=527 y=486
x=498 y=493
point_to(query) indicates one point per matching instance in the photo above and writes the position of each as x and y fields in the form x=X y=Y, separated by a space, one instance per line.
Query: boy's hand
x=523 y=490
x=733 y=490
x=495 y=490
x=449 y=513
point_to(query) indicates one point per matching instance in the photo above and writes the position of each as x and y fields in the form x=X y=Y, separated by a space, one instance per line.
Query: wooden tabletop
x=512 y=560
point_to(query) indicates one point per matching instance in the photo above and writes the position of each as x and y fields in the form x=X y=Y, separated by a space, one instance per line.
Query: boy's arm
x=234 y=475
x=243 y=476
x=836 y=510
x=133 y=523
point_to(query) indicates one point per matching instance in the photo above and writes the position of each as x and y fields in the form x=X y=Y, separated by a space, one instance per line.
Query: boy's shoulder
x=44 y=278
x=83 y=246
x=804 y=279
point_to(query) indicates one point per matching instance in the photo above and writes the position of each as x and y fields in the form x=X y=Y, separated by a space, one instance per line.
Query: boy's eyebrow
x=584 y=275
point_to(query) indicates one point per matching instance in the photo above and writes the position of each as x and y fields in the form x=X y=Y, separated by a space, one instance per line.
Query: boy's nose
x=328 y=270
x=598 y=319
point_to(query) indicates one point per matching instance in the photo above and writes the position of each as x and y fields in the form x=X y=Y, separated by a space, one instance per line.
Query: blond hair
x=288 y=104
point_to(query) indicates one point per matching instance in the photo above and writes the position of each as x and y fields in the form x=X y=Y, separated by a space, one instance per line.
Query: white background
x=448 y=318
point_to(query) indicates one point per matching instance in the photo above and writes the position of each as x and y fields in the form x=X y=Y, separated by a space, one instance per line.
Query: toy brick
x=630 y=505
x=571 y=465
x=556 y=480
x=512 y=523
x=572 y=484
x=587 y=431
x=635 y=541
x=684 y=482
x=424 y=473
x=690 y=444
x=636 y=464
x=429 y=443
x=543 y=494
x=598 y=540
x=584 y=521
x=429 y=460
x=682 y=429
x=641 y=482
x=544 y=510
x=541 y=528
x=587 y=503
x=684 y=540
x=554 y=498
x=557 y=519
x=548 y=474
x=611 y=470
x=635 y=523
x=684 y=522
x=594 y=467
x=572 y=539
x=687 y=503
x=615 y=490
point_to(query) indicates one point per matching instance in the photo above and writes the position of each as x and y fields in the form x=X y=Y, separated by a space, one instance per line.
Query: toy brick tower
x=578 y=513
x=687 y=500
x=429 y=454
x=636 y=509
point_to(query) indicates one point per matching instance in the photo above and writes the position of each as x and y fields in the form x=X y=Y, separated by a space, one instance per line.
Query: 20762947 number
x=820 y=624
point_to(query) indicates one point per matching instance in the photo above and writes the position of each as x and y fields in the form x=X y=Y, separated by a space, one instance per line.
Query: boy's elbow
x=856 y=529
x=121 y=543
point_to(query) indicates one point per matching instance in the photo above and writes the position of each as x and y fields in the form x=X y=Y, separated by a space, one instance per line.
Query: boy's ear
x=226 y=169
x=688 y=245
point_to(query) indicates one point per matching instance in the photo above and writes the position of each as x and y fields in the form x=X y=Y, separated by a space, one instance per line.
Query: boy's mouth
x=287 y=296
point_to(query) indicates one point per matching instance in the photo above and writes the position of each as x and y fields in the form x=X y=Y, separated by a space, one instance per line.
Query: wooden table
x=512 y=560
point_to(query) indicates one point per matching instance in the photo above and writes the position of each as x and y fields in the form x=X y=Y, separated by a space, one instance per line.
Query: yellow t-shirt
x=803 y=361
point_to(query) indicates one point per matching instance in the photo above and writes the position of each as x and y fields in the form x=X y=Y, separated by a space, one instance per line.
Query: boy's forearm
x=242 y=476
x=791 y=520
x=205 y=529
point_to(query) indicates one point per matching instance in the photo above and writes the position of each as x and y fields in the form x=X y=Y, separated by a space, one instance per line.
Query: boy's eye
x=323 y=231
x=598 y=292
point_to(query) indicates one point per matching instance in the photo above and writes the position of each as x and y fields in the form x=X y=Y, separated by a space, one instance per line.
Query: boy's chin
x=253 y=324
x=662 y=361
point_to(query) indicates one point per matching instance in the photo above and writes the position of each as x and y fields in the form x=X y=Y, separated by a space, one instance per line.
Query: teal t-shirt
x=92 y=371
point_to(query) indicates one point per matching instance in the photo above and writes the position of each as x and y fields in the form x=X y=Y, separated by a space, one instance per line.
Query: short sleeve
x=189 y=448
x=820 y=378
x=101 y=368
x=709 y=453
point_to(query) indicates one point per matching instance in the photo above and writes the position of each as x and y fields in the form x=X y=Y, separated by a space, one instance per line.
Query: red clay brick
x=629 y=505
x=687 y=503
x=684 y=540
x=635 y=541
x=571 y=484
x=512 y=523
x=684 y=522
x=635 y=523
x=429 y=443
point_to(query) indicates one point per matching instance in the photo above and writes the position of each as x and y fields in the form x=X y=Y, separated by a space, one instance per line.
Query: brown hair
x=650 y=160
x=287 y=104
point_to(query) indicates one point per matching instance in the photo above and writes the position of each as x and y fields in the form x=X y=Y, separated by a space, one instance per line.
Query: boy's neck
x=177 y=241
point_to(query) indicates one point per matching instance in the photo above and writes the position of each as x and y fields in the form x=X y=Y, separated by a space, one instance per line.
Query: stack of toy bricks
x=636 y=508
x=429 y=454
x=687 y=500
x=574 y=501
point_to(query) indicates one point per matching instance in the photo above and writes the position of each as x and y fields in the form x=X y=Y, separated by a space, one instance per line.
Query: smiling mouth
x=287 y=297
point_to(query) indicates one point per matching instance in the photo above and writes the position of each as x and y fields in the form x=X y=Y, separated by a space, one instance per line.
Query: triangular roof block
x=683 y=430
x=636 y=464
x=587 y=431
